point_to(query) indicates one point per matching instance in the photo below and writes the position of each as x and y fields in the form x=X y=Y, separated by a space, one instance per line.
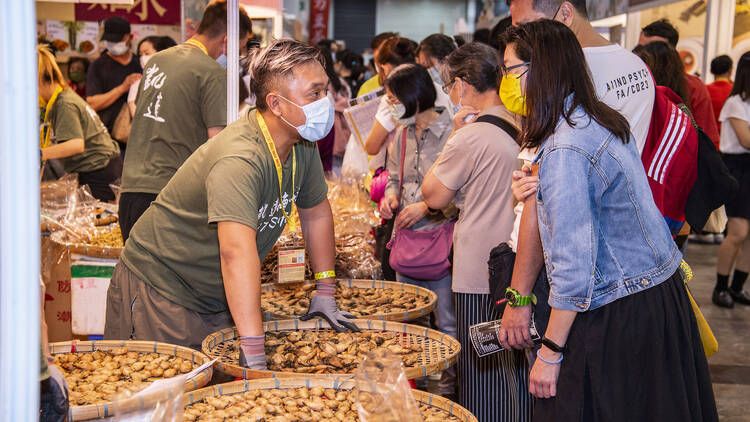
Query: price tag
x=291 y=265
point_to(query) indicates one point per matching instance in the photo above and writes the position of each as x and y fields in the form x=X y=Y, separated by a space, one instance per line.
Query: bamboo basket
x=61 y=237
x=104 y=410
x=409 y=315
x=439 y=350
x=337 y=383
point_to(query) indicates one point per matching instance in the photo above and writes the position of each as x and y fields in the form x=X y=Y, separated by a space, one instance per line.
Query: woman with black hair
x=394 y=52
x=735 y=148
x=432 y=52
x=666 y=67
x=350 y=66
x=333 y=145
x=422 y=132
x=622 y=343
x=77 y=69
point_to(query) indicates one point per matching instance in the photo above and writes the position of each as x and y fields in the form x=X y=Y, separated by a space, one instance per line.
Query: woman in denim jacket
x=622 y=342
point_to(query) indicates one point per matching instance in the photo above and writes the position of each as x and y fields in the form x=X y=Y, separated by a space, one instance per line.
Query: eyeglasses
x=507 y=70
x=447 y=87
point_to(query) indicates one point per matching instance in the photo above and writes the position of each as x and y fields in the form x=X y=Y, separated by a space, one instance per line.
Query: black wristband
x=554 y=346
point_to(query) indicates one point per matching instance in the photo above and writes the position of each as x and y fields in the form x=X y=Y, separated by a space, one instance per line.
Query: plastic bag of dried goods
x=383 y=392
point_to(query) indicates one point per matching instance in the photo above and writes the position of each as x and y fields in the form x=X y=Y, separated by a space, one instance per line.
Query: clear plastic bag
x=353 y=219
x=383 y=392
x=161 y=401
x=66 y=206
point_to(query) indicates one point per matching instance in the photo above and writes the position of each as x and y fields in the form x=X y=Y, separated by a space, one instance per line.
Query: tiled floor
x=730 y=366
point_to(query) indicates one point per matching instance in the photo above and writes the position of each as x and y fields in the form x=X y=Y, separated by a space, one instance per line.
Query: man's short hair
x=381 y=38
x=214 y=22
x=664 y=29
x=277 y=61
x=549 y=7
x=721 y=65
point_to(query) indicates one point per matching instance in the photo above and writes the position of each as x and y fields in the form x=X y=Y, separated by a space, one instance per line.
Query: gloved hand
x=252 y=354
x=326 y=308
x=54 y=397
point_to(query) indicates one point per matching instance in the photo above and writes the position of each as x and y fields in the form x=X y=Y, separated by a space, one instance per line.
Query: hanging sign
x=318 y=20
x=157 y=12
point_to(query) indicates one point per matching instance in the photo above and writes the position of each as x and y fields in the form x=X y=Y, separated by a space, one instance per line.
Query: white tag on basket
x=200 y=369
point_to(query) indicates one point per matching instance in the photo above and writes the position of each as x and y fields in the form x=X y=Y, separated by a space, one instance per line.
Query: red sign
x=318 y=20
x=155 y=12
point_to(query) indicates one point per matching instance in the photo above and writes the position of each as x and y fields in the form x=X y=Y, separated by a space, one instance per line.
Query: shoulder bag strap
x=403 y=158
x=501 y=123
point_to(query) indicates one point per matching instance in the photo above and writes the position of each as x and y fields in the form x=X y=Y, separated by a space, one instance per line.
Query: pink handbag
x=421 y=255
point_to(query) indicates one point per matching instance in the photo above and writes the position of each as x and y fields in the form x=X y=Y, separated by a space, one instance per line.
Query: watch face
x=510 y=296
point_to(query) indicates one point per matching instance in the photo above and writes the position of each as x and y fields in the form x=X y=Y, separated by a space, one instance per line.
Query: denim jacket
x=602 y=234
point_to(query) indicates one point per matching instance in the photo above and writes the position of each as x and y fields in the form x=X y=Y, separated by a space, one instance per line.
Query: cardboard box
x=56 y=276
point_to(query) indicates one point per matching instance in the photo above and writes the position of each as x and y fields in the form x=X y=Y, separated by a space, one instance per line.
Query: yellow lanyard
x=44 y=136
x=196 y=43
x=279 y=170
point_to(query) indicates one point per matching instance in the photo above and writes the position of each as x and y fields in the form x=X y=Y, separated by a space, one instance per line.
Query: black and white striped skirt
x=494 y=388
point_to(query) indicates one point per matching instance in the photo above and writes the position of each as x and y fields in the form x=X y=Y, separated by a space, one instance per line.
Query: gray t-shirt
x=174 y=246
x=478 y=163
x=183 y=92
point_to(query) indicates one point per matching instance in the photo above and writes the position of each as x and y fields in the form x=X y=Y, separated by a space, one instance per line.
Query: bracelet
x=325 y=274
x=557 y=362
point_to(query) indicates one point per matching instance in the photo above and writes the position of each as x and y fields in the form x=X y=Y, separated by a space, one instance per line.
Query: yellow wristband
x=325 y=274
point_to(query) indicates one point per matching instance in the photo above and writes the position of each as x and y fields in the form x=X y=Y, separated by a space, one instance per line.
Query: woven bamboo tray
x=409 y=315
x=439 y=350
x=104 y=410
x=63 y=238
x=338 y=383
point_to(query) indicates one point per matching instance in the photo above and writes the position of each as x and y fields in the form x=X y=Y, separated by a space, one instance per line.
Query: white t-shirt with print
x=624 y=83
x=734 y=107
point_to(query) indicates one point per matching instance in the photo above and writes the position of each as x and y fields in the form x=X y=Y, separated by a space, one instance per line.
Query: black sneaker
x=742 y=296
x=722 y=298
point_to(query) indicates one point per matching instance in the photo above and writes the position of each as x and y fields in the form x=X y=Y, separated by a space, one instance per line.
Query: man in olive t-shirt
x=192 y=263
x=232 y=176
x=182 y=102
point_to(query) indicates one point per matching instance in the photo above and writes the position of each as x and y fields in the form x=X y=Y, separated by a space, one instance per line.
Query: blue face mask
x=319 y=119
x=222 y=60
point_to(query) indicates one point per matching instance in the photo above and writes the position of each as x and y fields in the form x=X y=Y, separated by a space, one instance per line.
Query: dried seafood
x=96 y=377
x=292 y=405
x=329 y=352
x=294 y=300
x=353 y=220
x=107 y=238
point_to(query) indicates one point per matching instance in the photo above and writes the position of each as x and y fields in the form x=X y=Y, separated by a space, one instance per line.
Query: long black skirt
x=639 y=358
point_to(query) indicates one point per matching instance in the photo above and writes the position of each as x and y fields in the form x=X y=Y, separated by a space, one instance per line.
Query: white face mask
x=319 y=117
x=144 y=60
x=222 y=60
x=397 y=111
x=117 y=48
x=435 y=75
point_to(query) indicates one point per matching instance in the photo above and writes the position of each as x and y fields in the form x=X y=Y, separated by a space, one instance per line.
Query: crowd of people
x=538 y=142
